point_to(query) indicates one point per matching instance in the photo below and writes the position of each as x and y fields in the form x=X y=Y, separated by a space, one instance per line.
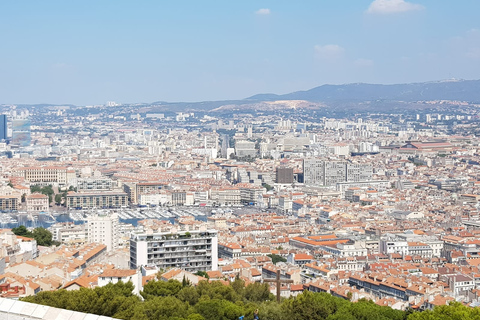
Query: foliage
x=218 y=309
x=214 y=300
x=112 y=300
x=267 y=186
x=58 y=199
x=46 y=190
x=202 y=274
x=22 y=231
x=276 y=258
x=454 y=311
x=41 y=235
x=159 y=288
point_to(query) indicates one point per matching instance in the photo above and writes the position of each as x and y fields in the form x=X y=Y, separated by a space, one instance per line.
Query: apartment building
x=69 y=233
x=94 y=183
x=195 y=250
x=105 y=199
x=331 y=172
x=8 y=203
x=225 y=195
x=104 y=229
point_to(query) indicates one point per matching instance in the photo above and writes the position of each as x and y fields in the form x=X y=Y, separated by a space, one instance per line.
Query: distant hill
x=465 y=90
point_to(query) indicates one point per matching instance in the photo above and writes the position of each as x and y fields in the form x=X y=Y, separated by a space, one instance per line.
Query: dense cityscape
x=381 y=207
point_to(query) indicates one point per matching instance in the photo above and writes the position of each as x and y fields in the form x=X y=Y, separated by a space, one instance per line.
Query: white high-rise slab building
x=194 y=250
x=103 y=228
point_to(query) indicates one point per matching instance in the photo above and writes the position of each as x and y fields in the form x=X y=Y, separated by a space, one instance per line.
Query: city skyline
x=89 y=53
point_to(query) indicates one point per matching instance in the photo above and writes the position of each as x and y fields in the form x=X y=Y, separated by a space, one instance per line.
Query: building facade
x=106 y=199
x=104 y=229
x=192 y=251
x=48 y=175
x=8 y=203
x=330 y=172
x=284 y=175
x=37 y=202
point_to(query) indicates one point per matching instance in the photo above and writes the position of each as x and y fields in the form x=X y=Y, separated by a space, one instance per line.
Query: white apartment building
x=346 y=250
x=331 y=172
x=195 y=250
x=103 y=228
x=69 y=233
x=94 y=183
x=391 y=246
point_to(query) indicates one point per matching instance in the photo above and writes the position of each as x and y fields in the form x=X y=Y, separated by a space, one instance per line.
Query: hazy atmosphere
x=89 y=52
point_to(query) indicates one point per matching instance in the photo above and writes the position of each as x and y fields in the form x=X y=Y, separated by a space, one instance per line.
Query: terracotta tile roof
x=117 y=273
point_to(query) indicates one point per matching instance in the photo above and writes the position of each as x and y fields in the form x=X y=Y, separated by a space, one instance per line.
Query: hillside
x=465 y=90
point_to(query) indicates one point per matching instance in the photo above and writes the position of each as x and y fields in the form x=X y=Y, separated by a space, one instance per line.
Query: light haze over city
x=89 y=52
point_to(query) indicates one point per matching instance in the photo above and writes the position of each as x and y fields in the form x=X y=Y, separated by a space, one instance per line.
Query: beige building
x=8 y=203
x=37 y=202
x=48 y=175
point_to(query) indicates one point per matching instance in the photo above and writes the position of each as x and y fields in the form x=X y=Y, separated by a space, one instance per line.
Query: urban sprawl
x=377 y=205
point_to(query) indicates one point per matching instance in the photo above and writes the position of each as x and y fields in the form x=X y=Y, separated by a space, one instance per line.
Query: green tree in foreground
x=454 y=311
x=216 y=301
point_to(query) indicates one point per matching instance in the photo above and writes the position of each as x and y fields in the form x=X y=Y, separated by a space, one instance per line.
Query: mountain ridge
x=451 y=89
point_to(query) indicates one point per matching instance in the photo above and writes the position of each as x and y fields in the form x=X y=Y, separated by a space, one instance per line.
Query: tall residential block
x=194 y=250
x=103 y=228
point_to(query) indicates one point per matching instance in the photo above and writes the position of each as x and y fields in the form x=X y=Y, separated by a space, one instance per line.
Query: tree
x=22 y=231
x=258 y=292
x=159 y=288
x=162 y=308
x=454 y=311
x=186 y=282
x=218 y=309
x=46 y=190
x=107 y=300
x=58 y=199
x=189 y=295
x=267 y=186
x=276 y=258
x=202 y=274
x=43 y=236
x=10 y=184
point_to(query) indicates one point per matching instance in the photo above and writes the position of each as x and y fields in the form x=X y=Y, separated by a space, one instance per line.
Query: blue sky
x=89 y=52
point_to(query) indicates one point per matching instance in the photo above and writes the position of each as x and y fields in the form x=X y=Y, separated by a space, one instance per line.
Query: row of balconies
x=178 y=255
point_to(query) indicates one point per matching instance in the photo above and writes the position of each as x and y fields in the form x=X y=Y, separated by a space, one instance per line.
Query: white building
x=195 y=250
x=103 y=228
x=392 y=246
x=116 y=275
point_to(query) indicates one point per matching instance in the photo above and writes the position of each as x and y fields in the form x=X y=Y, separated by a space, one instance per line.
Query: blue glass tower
x=3 y=127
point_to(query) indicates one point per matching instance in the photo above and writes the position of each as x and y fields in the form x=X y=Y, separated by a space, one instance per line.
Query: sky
x=90 y=52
